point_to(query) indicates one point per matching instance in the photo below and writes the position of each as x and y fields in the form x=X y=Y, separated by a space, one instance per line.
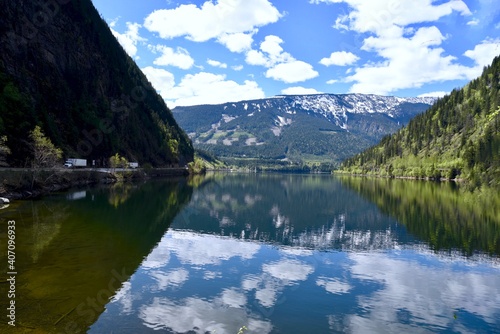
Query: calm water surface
x=273 y=253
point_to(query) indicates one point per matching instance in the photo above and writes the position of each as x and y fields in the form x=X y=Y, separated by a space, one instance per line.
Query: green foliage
x=45 y=154
x=197 y=166
x=123 y=162
x=118 y=161
x=210 y=160
x=458 y=137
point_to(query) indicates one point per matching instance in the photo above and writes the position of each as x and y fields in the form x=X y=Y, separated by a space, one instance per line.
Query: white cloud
x=410 y=56
x=401 y=54
x=332 y=81
x=299 y=91
x=162 y=80
x=212 y=19
x=281 y=65
x=130 y=38
x=237 y=42
x=216 y=63
x=255 y=57
x=473 y=22
x=291 y=72
x=179 y=58
x=237 y=67
x=378 y=16
x=340 y=23
x=200 y=88
x=271 y=45
x=434 y=94
x=484 y=53
x=270 y=53
x=113 y=22
x=208 y=88
x=340 y=58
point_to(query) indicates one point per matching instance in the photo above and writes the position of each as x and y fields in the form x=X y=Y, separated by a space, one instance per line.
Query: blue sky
x=208 y=52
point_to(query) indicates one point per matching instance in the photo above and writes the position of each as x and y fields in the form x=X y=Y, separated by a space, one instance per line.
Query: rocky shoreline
x=25 y=183
x=28 y=183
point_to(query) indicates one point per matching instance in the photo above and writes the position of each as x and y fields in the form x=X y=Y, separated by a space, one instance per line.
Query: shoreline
x=28 y=183
x=399 y=177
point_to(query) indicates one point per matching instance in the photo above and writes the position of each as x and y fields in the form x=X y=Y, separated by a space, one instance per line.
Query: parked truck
x=133 y=164
x=72 y=163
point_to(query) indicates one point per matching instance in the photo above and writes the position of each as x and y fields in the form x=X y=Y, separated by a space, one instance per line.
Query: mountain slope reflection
x=314 y=212
x=442 y=214
x=299 y=254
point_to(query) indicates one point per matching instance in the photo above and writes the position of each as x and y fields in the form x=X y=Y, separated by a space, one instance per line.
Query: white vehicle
x=133 y=164
x=72 y=162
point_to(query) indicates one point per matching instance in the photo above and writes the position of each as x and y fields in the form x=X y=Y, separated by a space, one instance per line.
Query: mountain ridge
x=264 y=128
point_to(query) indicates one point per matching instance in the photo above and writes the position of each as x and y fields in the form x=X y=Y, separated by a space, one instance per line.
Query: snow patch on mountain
x=337 y=107
x=227 y=118
x=280 y=122
x=353 y=103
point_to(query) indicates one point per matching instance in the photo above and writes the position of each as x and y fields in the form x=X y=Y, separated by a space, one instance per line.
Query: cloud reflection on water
x=430 y=291
x=198 y=315
x=191 y=282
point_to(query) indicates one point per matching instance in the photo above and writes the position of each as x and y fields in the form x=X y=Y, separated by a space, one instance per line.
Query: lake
x=257 y=253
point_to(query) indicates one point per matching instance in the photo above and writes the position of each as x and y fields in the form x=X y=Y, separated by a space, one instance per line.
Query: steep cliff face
x=61 y=68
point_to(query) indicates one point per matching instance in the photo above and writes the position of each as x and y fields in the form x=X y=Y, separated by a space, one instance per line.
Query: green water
x=274 y=253
x=74 y=250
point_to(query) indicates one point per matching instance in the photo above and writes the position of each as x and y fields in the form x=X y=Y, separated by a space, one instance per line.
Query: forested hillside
x=62 y=69
x=458 y=137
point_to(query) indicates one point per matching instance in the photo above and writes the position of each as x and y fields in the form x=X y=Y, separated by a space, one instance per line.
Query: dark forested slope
x=61 y=68
x=459 y=136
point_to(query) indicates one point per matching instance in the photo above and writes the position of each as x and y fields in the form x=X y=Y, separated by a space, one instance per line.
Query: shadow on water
x=74 y=250
x=442 y=214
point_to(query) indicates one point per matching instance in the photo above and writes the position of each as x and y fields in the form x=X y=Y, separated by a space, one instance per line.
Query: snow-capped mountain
x=327 y=126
